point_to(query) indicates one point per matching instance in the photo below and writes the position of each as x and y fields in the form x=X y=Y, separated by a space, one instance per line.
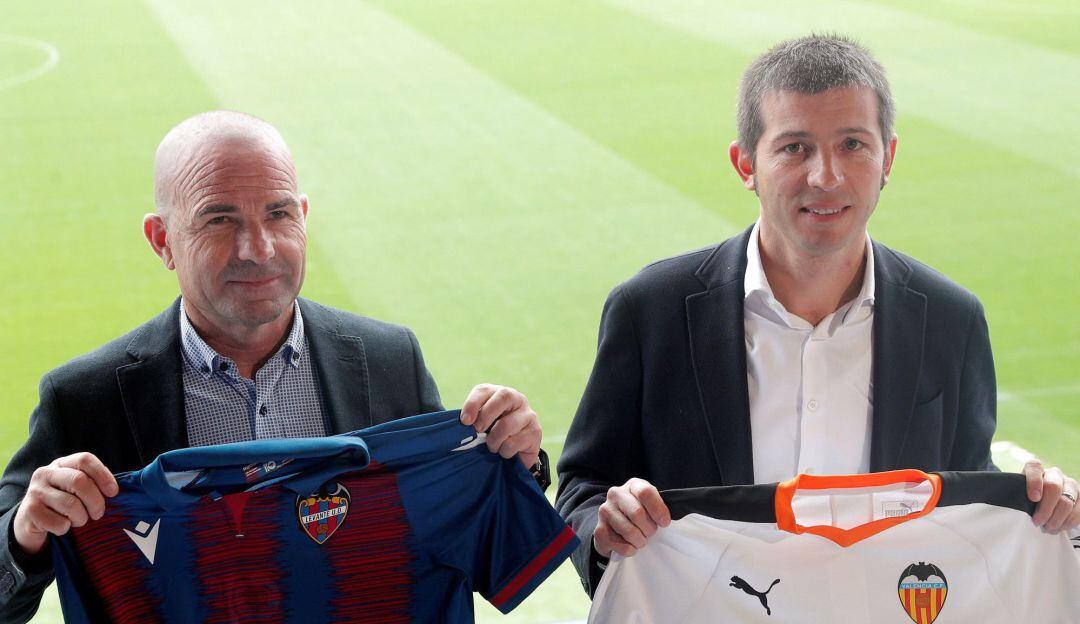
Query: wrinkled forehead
x=191 y=168
x=241 y=155
x=228 y=147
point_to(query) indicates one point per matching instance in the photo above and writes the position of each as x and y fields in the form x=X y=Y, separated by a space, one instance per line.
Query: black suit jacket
x=667 y=400
x=124 y=402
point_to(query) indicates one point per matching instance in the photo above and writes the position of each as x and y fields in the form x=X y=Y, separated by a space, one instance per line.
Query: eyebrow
x=216 y=209
x=802 y=134
x=790 y=134
x=855 y=130
x=283 y=203
x=229 y=208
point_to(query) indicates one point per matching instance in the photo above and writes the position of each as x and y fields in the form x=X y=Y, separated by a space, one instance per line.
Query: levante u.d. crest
x=321 y=513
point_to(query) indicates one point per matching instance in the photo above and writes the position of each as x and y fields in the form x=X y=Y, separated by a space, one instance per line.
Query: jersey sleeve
x=506 y=537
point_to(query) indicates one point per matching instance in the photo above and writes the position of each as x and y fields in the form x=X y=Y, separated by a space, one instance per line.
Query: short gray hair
x=810 y=65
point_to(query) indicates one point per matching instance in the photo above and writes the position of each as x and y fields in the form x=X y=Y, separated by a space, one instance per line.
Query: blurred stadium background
x=484 y=171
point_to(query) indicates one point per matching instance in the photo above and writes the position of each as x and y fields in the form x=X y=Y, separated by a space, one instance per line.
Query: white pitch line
x=52 y=58
x=1011 y=450
x=1041 y=392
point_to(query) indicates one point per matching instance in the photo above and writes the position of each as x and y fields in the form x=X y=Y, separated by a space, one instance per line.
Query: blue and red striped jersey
x=394 y=523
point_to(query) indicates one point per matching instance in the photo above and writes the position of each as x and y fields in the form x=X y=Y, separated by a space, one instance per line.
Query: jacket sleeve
x=977 y=408
x=23 y=578
x=427 y=391
x=603 y=446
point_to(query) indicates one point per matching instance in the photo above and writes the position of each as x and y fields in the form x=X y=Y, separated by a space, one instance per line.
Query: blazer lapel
x=152 y=386
x=340 y=368
x=718 y=349
x=899 y=331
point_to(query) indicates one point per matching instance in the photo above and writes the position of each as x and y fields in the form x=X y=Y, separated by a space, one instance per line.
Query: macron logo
x=145 y=537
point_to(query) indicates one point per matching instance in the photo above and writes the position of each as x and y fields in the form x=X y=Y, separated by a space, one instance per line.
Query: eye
x=278 y=214
x=852 y=144
x=218 y=220
x=794 y=148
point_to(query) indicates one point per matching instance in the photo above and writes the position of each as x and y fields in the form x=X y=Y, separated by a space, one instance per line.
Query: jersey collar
x=786 y=491
x=183 y=476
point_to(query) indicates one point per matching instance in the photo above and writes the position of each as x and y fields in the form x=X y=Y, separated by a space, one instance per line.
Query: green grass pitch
x=484 y=171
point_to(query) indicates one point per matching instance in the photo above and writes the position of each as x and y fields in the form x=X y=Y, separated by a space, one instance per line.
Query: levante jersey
x=394 y=523
x=893 y=547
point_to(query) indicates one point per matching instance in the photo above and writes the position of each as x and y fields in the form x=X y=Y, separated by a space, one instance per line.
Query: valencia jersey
x=394 y=523
x=893 y=547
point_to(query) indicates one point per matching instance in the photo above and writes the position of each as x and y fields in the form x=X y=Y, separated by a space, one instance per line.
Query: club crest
x=922 y=589
x=323 y=512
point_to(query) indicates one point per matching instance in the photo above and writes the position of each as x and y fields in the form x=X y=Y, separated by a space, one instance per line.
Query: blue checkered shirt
x=283 y=401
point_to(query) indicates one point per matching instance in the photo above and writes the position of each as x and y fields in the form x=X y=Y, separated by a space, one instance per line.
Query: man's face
x=819 y=170
x=236 y=235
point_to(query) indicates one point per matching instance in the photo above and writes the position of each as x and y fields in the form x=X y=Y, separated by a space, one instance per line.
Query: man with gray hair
x=798 y=346
x=238 y=356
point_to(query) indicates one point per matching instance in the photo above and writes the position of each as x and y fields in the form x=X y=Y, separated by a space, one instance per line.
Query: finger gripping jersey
x=888 y=548
x=394 y=523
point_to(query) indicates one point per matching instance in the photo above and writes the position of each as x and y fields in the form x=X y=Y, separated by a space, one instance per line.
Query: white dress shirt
x=811 y=395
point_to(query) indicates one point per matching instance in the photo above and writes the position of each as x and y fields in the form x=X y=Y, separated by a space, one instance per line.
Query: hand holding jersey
x=67 y=493
x=511 y=424
x=629 y=516
x=1056 y=495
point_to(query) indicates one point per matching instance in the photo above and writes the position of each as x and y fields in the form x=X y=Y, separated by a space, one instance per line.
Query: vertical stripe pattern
x=237 y=578
x=116 y=568
x=923 y=604
x=370 y=567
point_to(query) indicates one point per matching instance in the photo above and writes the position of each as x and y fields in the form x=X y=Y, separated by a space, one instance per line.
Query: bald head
x=209 y=136
x=232 y=225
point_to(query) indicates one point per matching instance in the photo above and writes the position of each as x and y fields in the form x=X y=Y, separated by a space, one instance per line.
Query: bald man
x=238 y=356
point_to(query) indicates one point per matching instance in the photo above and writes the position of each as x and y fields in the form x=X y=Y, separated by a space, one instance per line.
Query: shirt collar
x=756 y=283
x=206 y=360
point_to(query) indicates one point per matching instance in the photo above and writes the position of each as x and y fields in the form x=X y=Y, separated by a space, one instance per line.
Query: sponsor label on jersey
x=323 y=512
x=922 y=588
x=253 y=472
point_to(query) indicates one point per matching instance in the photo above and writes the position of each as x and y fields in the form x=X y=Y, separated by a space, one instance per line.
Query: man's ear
x=154 y=231
x=890 y=155
x=303 y=204
x=743 y=163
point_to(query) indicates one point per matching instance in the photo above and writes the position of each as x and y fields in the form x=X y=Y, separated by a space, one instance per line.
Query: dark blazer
x=667 y=399
x=124 y=403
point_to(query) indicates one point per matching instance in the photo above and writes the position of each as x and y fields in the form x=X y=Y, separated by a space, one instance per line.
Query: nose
x=255 y=243
x=825 y=171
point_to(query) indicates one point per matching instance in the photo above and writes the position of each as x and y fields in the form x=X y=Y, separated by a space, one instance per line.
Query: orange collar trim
x=785 y=492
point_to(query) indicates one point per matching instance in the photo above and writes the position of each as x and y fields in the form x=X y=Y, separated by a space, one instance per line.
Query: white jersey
x=892 y=547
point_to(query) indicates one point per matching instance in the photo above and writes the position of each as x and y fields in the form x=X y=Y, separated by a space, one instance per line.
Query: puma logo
x=738 y=583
